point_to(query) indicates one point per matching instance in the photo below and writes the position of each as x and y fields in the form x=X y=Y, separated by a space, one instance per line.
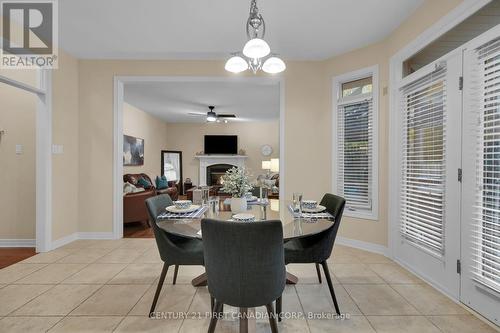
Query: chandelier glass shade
x=256 y=53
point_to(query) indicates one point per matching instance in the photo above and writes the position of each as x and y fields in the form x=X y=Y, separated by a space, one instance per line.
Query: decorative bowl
x=309 y=204
x=243 y=217
x=182 y=204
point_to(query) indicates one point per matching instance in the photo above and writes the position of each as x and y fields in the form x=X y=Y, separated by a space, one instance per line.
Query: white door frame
x=120 y=81
x=43 y=181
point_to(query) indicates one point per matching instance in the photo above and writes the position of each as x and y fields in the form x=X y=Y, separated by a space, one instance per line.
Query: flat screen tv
x=221 y=144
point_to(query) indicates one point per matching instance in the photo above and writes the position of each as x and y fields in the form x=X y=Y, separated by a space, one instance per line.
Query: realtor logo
x=29 y=31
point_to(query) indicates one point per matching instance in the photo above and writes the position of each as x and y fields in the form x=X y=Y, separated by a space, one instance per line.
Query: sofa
x=134 y=206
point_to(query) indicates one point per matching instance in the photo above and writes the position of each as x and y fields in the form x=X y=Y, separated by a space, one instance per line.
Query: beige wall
x=154 y=131
x=308 y=131
x=65 y=167
x=189 y=139
x=17 y=172
x=305 y=121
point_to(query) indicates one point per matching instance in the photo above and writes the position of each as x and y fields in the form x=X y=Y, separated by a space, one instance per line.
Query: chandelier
x=256 y=53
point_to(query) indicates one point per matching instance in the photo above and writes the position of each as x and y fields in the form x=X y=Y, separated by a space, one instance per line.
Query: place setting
x=183 y=209
x=308 y=209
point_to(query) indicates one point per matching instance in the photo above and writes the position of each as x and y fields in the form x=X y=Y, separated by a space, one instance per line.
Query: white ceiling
x=171 y=101
x=211 y=29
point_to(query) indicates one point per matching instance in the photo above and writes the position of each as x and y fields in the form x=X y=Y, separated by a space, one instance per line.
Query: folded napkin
x=191 y=215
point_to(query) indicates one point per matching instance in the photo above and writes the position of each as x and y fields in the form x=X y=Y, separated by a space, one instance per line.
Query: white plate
x=253 y=198
x=173 y=209
x=243 y=217
x=318 y=209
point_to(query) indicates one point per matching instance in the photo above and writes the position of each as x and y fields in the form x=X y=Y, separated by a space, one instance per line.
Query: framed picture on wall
x=171 y=167
x=133 y=151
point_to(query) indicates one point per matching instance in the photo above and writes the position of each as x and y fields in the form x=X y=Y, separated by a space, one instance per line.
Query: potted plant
x=237 y=183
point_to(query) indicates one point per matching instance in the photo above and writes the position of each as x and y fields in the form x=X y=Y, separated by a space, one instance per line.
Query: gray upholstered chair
x=316 y=249
x=245 y=266
x=174 y=250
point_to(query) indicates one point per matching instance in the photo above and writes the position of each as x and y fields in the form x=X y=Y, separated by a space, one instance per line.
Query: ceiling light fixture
x=256 y=53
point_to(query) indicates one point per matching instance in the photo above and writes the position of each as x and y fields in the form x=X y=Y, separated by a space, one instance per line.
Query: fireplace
x=215 y=173
x=211 y=161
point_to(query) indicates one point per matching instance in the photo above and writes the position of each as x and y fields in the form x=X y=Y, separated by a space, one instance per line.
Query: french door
x=480 y=280
x=430 y=108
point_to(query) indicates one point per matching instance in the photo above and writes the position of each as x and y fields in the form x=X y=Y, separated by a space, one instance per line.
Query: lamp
x=236 y=65
x=256 y=53
x=266 y=165
x=275 y=165
x=275 y=205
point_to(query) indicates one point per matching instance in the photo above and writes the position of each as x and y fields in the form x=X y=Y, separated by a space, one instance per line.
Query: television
x=221 y=144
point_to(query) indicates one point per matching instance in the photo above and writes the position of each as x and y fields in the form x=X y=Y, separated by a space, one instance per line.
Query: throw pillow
x=144 y=183
x=128 y=188
x=161 y=182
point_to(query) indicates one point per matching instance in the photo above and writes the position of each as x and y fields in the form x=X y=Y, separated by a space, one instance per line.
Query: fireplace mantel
x=208 y=160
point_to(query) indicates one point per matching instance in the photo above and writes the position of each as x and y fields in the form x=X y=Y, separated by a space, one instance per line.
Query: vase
x=238 y=205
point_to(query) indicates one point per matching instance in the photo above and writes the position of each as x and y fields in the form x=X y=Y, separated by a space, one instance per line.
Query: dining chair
x=245 y=266
x=174 y=250
x=316 y=249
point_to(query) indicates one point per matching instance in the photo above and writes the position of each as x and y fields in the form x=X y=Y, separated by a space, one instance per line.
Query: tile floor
x=106 y=286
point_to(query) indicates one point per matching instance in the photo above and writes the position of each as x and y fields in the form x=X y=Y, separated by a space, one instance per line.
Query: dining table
x=295 y=225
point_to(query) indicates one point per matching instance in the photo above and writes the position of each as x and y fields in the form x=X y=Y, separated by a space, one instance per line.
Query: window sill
x=365 y=215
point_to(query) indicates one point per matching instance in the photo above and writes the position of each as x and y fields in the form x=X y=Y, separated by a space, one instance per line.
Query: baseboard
x=64 y=240
x=79 y=235
x=17 y=242
x=370 y=247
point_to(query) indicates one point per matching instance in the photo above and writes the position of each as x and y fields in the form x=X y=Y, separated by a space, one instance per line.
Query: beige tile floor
x=106 y=286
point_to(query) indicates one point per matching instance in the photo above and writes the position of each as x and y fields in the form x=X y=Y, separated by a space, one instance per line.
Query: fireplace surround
x=207 y=161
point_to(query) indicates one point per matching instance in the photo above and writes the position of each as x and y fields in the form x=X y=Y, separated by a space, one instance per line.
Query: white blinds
x=423 y=161
x=355 y=148
x=486 y=235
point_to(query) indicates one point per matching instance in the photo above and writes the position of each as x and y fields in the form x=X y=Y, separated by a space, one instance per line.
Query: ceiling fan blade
x=197 y=114
x=226 y=116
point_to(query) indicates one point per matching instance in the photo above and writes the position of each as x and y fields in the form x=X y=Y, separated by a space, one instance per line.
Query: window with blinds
x=486 y=235
x=354 y=178
x=423 y=161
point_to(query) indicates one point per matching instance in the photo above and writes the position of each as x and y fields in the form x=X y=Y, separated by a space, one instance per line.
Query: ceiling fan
x=212 y=116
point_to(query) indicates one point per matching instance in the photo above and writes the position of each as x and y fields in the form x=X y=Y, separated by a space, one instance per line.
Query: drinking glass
x=213 y=204
x=297 y=203
x=205 y=191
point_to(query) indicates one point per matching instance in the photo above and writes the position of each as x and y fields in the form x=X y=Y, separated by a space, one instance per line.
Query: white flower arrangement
x=236 y=182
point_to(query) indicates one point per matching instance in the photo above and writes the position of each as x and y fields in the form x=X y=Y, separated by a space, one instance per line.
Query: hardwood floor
x=137 y=230
x=11 y=255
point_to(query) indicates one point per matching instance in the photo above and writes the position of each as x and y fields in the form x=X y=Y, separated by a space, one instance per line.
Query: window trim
x=337 y=82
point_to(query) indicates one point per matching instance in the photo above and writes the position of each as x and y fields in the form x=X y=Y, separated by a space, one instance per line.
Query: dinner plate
x=243 y=217
x=173 y=209
x=318 y=209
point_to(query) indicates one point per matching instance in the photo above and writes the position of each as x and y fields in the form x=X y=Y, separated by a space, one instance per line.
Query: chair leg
x=176 y=270
x=318 y=272
x=244 y=320
x=215 y=316
x=330 y=286
x=278 y=307
x=272 y=319
x=158 y=288
x=212 y=304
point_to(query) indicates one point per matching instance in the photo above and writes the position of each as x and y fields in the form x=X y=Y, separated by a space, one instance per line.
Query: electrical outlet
x=19 y=149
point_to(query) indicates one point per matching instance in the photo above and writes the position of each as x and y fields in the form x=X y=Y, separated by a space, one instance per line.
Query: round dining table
x=294 y=226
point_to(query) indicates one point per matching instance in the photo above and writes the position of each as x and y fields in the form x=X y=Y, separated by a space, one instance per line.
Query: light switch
x=57 y=149
x=19 y=149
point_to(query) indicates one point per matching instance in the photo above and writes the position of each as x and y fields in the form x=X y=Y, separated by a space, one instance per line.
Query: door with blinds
x=480 y=280
x=430 y=110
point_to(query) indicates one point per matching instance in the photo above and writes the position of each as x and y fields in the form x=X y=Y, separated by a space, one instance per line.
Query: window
x=355 y=143
x=486 y=221
x=423 y=161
